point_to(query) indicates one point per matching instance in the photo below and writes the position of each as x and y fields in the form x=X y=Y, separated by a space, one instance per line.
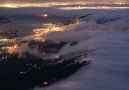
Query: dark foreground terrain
x=24 y=73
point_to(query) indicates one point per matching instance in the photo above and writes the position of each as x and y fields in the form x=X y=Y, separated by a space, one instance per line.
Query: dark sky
x=37 y=1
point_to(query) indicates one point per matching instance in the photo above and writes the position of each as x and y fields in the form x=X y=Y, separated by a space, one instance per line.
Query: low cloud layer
x=106 y=45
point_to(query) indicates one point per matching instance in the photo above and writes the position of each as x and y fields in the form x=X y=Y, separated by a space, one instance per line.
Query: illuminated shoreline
x=52 y=4
x=97 y=7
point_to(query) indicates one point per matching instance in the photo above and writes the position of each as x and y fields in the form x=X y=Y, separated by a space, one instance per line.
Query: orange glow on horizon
x=51 y=4
x=9 y=6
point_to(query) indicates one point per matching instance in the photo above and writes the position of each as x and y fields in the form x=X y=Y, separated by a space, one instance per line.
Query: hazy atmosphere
x=95 y=1
x=64 y=45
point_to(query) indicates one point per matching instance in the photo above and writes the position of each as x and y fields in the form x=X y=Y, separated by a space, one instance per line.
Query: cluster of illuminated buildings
x=53 y=26
x=65 y=22
x=8 y=36
x=7 y=39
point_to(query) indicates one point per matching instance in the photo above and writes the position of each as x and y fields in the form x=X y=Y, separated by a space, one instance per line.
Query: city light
x=43 y=15
x=48 y=28
x=98 y=7
x=12 y=49
x=54 y=4
x=9 y=6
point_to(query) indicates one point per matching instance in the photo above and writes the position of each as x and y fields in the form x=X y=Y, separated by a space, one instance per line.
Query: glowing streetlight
x=43 y=15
